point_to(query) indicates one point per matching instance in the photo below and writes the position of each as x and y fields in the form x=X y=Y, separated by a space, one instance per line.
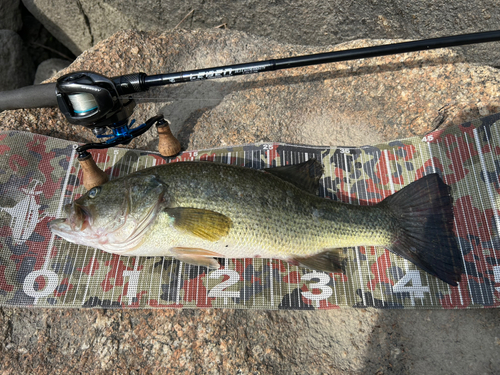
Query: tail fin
x=424 y=210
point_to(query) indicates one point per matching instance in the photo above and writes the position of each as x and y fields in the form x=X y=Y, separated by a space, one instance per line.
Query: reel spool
x=83 y=103
x=94 y=101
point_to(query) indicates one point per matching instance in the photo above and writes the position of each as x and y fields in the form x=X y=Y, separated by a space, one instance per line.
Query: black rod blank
x=44 y=95
x=322 y=58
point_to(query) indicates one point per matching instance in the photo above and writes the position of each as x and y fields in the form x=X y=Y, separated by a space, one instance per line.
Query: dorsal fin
x=305 y=175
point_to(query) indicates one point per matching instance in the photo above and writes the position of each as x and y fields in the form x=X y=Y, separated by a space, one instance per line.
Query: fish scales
x=270 y=217
x=199 y=211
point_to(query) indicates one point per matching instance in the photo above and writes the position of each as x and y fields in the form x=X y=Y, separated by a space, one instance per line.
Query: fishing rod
x=105 y=105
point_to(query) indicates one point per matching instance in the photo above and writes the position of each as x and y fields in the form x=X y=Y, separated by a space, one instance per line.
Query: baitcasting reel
x=100 y=104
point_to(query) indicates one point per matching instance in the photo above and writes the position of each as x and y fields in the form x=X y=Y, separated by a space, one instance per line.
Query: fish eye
x=94 y=191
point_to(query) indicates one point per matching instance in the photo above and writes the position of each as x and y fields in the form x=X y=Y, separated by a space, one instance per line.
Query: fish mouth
x=117 y=229
x=78 y=220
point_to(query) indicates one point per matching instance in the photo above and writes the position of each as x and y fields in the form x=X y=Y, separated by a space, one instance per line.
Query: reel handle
x=93 y=176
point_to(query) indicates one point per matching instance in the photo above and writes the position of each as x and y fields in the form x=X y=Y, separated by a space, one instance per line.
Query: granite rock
x=10 y=15
x=350 y=103
x=15 y=64
x=350 y=341
x=307 y=22
x=48 y=68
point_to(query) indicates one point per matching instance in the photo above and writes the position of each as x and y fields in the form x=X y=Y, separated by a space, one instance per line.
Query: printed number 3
x=326 y=291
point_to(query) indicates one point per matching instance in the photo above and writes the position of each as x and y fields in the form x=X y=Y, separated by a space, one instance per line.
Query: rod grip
x=36 y=96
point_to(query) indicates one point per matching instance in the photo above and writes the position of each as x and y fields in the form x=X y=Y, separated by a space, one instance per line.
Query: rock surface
x=356 y=103
x=249 y=342
x=10 y=15
x=49 y=68
x=15 y=63
x=25 y=43
x=86 y=22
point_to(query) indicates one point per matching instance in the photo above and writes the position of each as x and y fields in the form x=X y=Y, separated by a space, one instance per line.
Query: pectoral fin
x=206 y=224
x=197 y=257
x=330 y=260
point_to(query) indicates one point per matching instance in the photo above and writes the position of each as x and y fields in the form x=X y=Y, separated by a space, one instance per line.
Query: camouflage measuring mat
x=39 y=175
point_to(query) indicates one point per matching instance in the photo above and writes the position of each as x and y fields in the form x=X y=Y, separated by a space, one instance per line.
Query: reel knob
x=168 y=145
x=92 y=175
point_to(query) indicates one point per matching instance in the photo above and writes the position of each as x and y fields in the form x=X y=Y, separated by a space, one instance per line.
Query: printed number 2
x=326 y=291
x=416 y=289
x=219 y=289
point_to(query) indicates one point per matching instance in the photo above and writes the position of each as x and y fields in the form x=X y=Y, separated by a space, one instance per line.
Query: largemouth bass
x=198 y=211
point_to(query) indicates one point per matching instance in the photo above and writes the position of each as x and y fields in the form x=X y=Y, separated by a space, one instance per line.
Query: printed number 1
x=133 y=282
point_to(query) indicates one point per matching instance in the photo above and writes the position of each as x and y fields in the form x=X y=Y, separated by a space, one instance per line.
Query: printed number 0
x=132 y=284
x=326 y=291
x=51 y=284
x=219 y=289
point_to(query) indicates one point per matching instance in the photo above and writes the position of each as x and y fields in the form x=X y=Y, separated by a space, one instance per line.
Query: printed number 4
x=416 y=289
x=428 y=138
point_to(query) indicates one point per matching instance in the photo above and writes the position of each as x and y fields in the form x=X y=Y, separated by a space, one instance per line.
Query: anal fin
x=330 y=260
x=197 y=257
